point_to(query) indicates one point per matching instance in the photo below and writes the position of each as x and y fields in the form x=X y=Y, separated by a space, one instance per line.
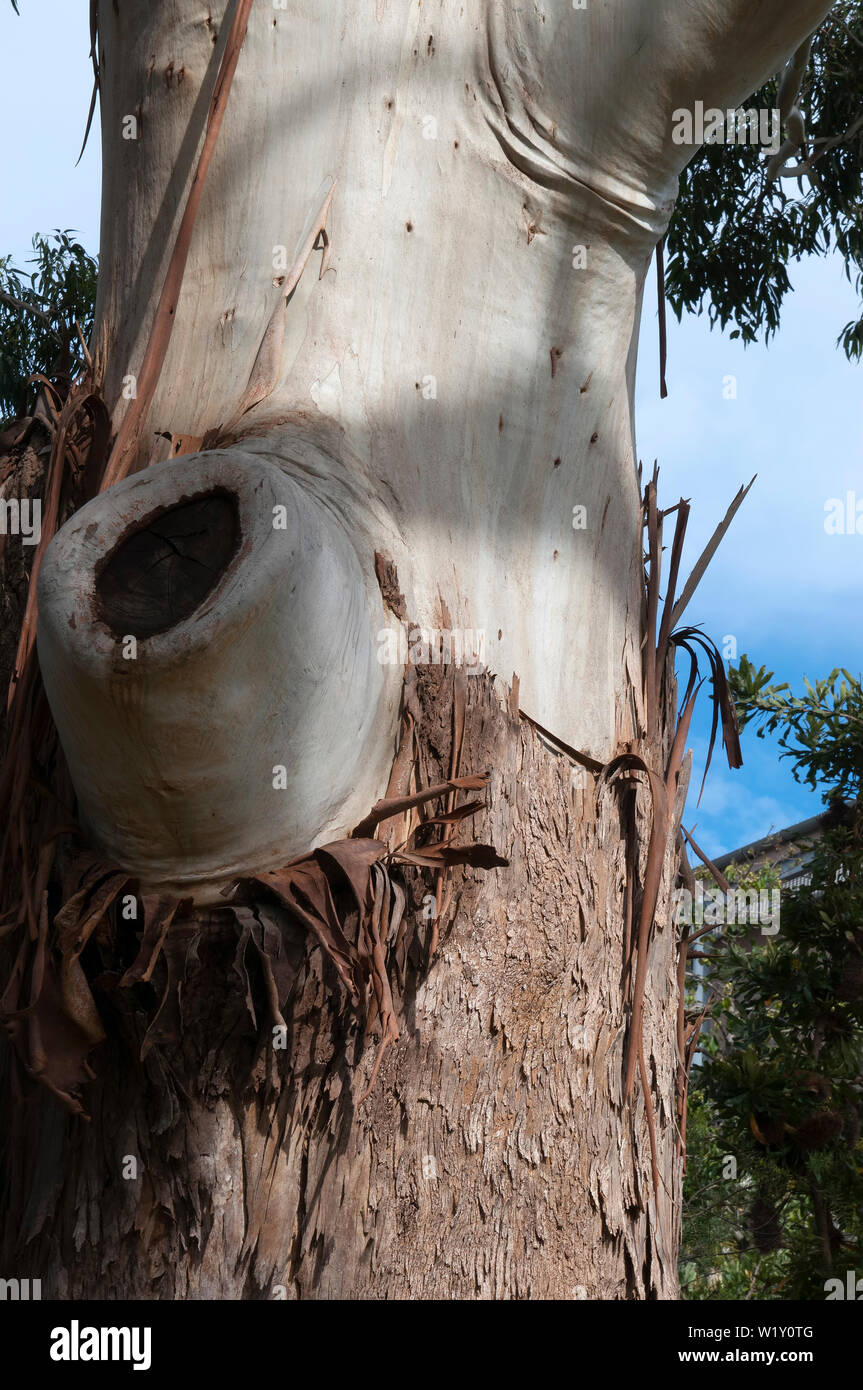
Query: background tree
x=46 y=318
x=735 y=233
x=781 y=1086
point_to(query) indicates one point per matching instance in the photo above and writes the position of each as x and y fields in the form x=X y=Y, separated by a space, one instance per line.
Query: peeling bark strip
x=129 y=433
x=663 y=331
x=73 y=462
x=495 y=1156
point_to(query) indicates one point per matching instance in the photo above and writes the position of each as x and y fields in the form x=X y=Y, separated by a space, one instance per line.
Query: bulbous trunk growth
x=205 y=638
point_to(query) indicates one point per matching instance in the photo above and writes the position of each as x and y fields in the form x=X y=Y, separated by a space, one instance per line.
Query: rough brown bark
x=495 y=1156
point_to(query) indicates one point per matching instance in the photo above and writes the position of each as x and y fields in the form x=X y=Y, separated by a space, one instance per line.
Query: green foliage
x=39 y=312
x=780 y=1087
x=733 y=234
x=821 y=730
x=719 y=1257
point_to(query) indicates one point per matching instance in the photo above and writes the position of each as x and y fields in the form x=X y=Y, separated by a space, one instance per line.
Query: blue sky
x=788 y=592
x=44 y=98
x=785 y=589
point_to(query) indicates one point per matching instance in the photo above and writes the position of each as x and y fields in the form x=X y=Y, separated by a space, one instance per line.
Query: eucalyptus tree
x=362 y=368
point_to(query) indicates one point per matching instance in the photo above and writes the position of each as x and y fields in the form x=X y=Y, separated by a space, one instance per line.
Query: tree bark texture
x=494 y=1156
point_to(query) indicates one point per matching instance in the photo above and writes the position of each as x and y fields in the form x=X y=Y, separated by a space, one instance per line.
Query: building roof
x=814 y=826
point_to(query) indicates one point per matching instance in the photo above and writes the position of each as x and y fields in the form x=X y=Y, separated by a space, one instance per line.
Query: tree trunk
x=494 y=1156
x=435 y=399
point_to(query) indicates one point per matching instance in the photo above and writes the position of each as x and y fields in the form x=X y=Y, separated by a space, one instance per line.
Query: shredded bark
x=391 y=593
x=345 y=894
x=658 y=675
